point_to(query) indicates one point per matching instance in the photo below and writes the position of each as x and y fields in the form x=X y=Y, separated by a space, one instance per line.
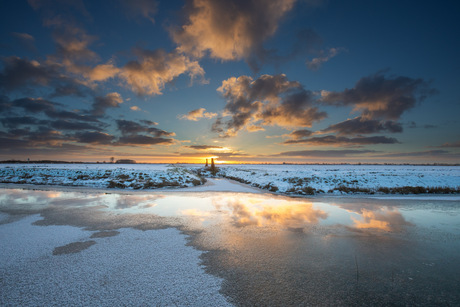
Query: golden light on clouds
x=383 y=219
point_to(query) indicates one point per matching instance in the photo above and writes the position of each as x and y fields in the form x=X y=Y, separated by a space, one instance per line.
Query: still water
x=276 y=250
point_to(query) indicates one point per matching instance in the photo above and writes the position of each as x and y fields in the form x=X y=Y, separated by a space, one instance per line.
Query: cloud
x=135 y=108
x=39 y=105
x=383 y=219
x=127 y=127
x=102 y=72
x=429 y=153
x=101 y=104
x=153 y=69
x=204 y=147
x=325 y=56
x=71 y=125
x=72 y=47
x=26 y=40
x=143 y=140
x=143 y=8
x=23 y=74
x=325 y=153
x=34 y=105
x=229 y=29
x=254 y=212
x=266 y=101
x=450 y=145
x=94 y=137
x=360 y=125
x=198 y=114
x=381 y=97
x=339 y=141
x=17 y=121
x=299 y=134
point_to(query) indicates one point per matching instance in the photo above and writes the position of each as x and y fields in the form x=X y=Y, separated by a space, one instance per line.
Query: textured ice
x=134 y=268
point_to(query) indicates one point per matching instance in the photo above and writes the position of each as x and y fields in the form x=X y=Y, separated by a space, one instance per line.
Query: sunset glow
x=241 y=82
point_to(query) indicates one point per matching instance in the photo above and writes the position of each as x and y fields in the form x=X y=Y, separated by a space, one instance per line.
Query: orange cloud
x=198 y=114
x=229 y=30
x=154 y=69
x=253 y=213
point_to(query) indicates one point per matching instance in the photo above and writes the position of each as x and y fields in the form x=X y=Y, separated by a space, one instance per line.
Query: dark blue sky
x=249 y=81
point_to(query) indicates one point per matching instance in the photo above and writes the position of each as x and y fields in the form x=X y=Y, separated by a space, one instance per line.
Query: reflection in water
x=383 y=219
x=236 y=209
x=245 y=235
x=253 y=212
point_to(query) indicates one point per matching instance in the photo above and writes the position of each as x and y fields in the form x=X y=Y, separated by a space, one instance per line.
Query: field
x=286 y=179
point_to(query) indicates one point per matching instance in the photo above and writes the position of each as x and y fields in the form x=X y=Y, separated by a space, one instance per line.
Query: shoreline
x=224 y=185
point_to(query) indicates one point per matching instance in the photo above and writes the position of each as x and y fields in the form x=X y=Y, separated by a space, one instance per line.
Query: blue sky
x=242 y=81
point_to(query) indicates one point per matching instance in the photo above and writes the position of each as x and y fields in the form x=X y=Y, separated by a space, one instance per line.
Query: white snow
x=329 y=177
x=134 y=268
x=297 y=179
x=127 y=176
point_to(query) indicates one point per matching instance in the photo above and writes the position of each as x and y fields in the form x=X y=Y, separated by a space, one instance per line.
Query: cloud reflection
x=382 y=219
x=256 y=212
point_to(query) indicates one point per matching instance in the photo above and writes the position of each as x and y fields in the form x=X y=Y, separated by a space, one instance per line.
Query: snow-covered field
x=126 y=176
x=293 y=179
x=311 y=179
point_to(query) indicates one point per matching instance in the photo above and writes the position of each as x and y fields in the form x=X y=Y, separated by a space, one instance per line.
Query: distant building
x=125 y=161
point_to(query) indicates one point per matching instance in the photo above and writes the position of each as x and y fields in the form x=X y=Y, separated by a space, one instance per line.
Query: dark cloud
x=381 y=97
x=429 y=153
x=143 y=140
x=339 y=140
x=17 y=121
x=128 y=127
x=101 y=104
x=204 y=147
x=94 y=137
x=23 y=74
x=71 y=125
x=325 y=153
x=19 y=72
x=5 y=104
x=266 y=101
x=299 y=134
x=37 y=105
x=134 y=133
x=34 y=105
x=360 y=125
x=73 y=115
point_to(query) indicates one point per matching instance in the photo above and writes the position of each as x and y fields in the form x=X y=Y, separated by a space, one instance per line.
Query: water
x=276 y=250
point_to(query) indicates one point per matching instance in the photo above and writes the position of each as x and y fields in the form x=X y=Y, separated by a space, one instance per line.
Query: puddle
x=278 y=250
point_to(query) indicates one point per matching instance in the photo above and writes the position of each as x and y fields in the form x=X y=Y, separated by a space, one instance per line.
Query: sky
x=241 y=81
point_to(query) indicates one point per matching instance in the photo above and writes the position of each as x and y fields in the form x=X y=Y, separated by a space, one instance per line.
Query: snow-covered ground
x=295 y=179
x=124 y=176
x=311 y=179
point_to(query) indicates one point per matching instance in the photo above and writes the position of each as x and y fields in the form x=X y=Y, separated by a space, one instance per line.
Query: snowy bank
x=289 y=179
x=137 y=176
x=339 y=179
